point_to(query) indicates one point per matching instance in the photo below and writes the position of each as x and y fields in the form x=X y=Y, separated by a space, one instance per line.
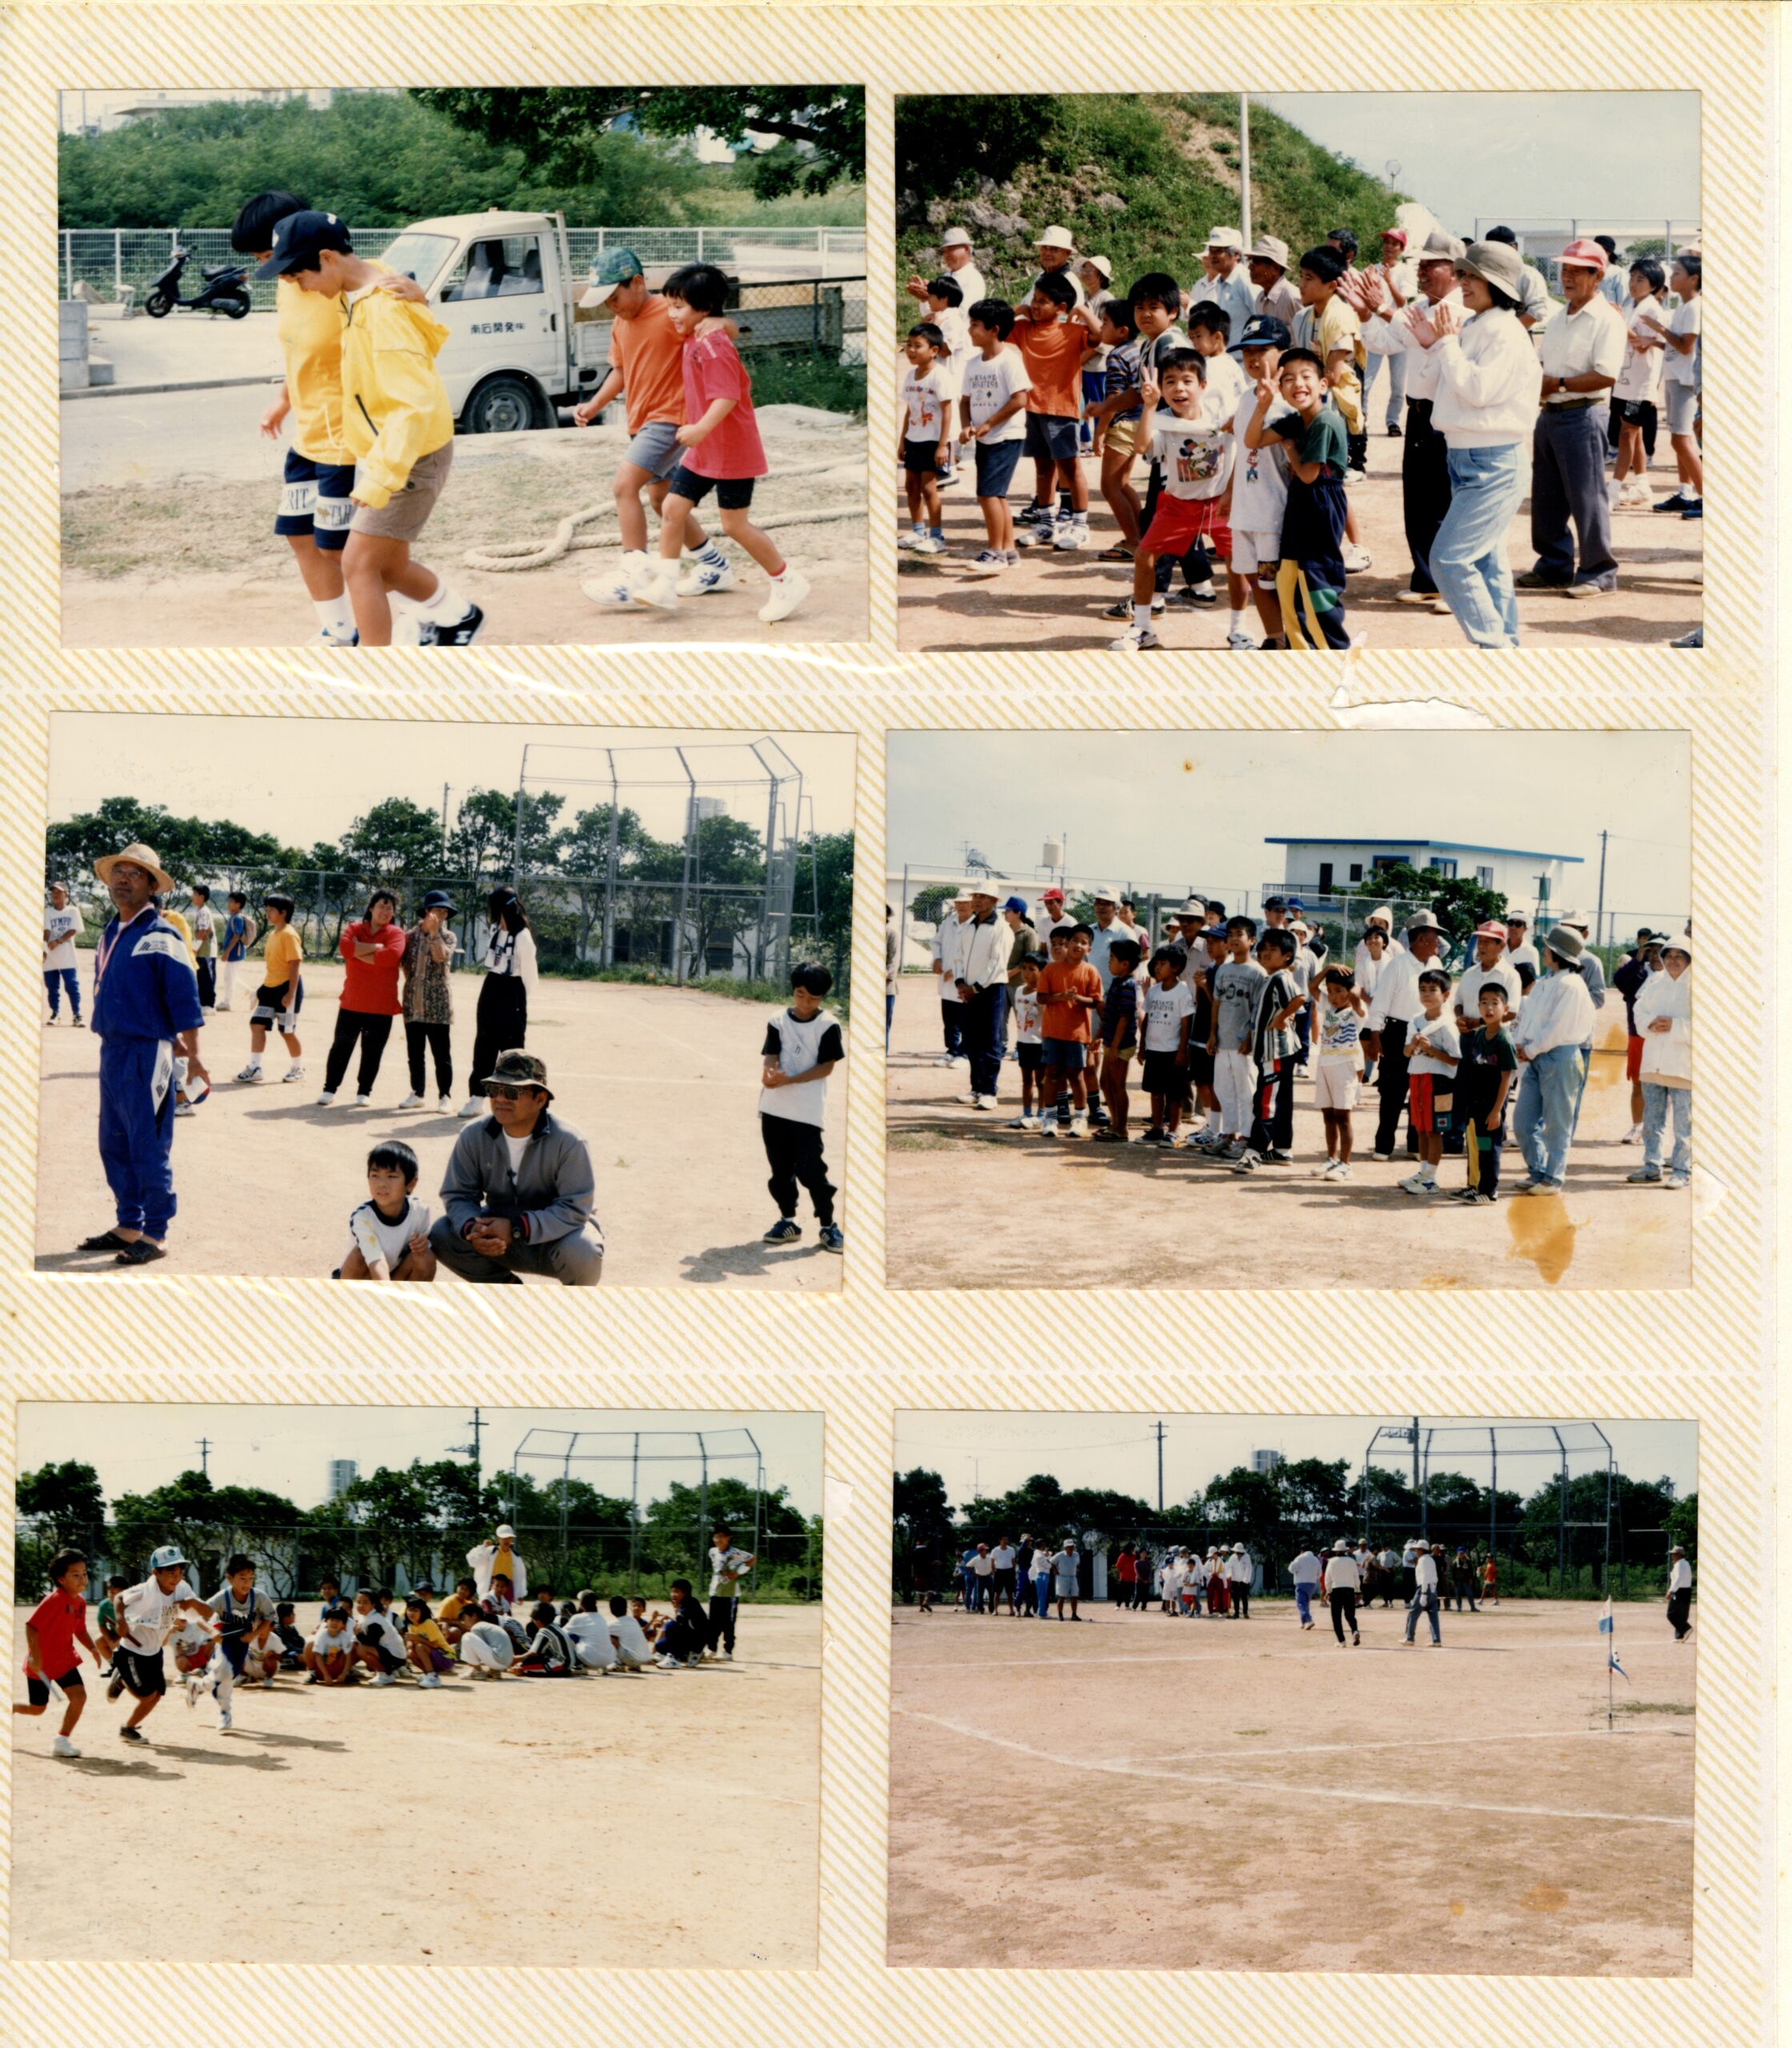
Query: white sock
x=1691 y=497
x=335 y=616
x=709 y=552
x=1234 y=622
x=780 y=576
x=446 y=607
x=1142 y=615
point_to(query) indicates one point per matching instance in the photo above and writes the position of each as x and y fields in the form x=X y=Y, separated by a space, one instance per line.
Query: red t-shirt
x=371 y=987
x=1060 y=1020
x=55 y=1618
x=714 y=370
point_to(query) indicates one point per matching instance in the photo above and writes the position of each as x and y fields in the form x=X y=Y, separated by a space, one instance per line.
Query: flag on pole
x=1619 y=1668
x=1605 y=1619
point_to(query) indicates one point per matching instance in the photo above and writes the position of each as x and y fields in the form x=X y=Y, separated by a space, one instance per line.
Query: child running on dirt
x=52 y=1629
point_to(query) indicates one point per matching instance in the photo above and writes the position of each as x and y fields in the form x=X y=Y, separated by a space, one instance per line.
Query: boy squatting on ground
x=647 y=366
x=720 y=447
x=802 y=1047
x=397 y=424
x=389 y=1234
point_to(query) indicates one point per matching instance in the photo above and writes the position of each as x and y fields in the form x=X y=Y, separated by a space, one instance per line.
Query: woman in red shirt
x=372 y=952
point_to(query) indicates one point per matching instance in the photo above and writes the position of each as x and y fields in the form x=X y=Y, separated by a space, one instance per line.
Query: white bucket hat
x=1054 y=238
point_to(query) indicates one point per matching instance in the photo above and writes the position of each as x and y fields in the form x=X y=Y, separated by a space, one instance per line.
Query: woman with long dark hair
x=501 y=1022
x=372 y=949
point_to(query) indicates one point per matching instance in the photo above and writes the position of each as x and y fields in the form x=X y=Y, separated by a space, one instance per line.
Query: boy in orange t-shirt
x=1055 y=337
x=646 y=367
x=1070 y=994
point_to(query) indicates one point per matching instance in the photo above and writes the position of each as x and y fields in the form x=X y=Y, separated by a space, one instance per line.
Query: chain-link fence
x=109 y=261
x=292 y=1560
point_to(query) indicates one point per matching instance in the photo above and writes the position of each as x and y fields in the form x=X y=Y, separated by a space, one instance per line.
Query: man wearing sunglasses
x=518 y=1192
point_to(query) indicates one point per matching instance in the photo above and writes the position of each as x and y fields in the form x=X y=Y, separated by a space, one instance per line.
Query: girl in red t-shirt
x=52 y=1629
x=372 y=953
x=719 y=448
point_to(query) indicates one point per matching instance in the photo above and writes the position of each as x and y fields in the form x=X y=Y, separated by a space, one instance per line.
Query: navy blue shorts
x=920 y=459
x=316 y=498
x=732 y=493
x=1050 y=437
x=1065 y=1055
x=996 y=462
x=1029 y=1058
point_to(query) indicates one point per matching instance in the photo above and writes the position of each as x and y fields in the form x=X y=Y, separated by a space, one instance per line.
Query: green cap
x=518 y=1070
x=614 y=267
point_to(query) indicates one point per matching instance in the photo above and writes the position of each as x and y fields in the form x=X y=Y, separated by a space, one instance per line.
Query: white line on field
x=1117 y=1767
x=1072 y=1663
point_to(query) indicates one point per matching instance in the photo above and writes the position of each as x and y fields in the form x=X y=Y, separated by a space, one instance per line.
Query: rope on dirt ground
x=507 y=558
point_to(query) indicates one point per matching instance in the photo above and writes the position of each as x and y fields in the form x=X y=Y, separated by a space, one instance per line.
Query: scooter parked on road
x=225 y=289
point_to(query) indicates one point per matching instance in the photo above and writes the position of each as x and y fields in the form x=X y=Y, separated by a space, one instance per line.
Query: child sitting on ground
x=925 y=423
x=426 y=1648
x=1337 y=1073
x=720 y=445
x=389 y=1234
x=992 y=399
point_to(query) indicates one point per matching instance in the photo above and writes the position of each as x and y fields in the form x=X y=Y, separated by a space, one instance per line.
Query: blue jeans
x=951 y=1024
x=55 y=980
x=1303 y=1601
x=1468 y=557
x=1660 y=1106
x=1549 y=1103
x=889 y=1013
x=1424 y=1601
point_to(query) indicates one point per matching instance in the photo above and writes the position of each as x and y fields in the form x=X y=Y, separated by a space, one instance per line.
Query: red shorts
x=1427 y=1104
x=1179 y=522
x=1633 y=1059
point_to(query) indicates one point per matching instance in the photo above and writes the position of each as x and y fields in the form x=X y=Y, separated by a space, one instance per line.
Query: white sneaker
x=445 y=1103
x=930 y=544
x=324 y=1100
x=252 y=1072
x=432 y=1679
x=1338 y=1171
x=1425 y=597
x=660 y=591
x=1079 y=1126
x=474 y=1105
x=1356 y=559
x=988 y=563
x=983 y=1102
x=386 y=1678
x=702 y=579
x=1071 y=534
x=223 y=1721
x=617 y=585
x=361 y=1101
x=295 y=1072
x=787 y=593
x=1241 y=643
x=913 y=538
x=1633 y=1136
x=413 y=1101
x=1418 y=1184
x=1135 y=640
x=667 y=1664
x=63 y=1747
x=193 y=1682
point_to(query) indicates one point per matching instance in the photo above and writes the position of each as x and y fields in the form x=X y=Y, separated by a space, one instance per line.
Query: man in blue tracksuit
x=147 y=1014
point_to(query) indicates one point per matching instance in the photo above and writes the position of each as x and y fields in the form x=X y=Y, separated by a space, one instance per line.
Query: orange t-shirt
x=1054 y=359
x=650 y=351
x=1058 y=1020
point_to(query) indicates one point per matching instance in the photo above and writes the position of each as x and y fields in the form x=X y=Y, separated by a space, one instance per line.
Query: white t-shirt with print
x=146 y=1614
x=1422 y=1033
x=990 y=382
x=1165 y=1009
x=928 y=395
x=1259 y=475
x=1641 y=376
x=1025 y=1004
x=376 y=1237
x=1688 y=318
x=327 y=1642
x=62 y=926
x=1195 y=455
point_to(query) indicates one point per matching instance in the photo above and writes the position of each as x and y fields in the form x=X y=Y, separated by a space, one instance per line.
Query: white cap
x=504 y=1528
x=1225 y=237
x=954 y=238
x=1104 y=894
x=1104 y=264
x=1054 y=238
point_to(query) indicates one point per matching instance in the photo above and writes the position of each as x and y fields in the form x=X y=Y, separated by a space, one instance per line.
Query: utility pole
x=1244 y=167
x=1415 y=1453
x=471 y=1449
x=516 y=849
x=1599 y=917
x=1158 y=1431
x=204 y=1456
x=444 y=855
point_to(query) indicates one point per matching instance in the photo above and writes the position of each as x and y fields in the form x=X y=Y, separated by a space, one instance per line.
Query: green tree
x=190 y=848
x=1458 y=902
x=67 y=1498
x=926 y=904
x=560 y=128
x=824 y=881
x=946 y=142
x=1682 y=1525
x=395 y=840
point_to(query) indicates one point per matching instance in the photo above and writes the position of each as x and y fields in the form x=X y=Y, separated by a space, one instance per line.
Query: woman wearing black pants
x=371 y=951
x=429 y=1005
x=1342 y=1582
x=501 y=1022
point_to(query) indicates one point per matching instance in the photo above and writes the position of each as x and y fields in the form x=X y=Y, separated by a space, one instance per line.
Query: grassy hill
x=1141 y=179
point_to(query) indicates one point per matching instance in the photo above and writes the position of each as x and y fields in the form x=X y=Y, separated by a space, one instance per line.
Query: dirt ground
x=192 y=561
x=1238 y=1795
x=1054 y=601
x=1141 y=1216
x=662 y=1083
x=587 y=1821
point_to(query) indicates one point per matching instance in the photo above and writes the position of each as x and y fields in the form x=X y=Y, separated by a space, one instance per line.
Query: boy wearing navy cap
x=398 y=426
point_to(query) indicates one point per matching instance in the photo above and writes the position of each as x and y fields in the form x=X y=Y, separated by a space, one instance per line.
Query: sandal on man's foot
x=105 y=1240
x=144 y=1252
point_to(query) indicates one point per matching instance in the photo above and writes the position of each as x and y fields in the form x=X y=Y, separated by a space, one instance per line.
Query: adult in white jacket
x=946 y=944
x=986 y=945
x=1664 y=1015
x=1488 y=382
x=1555 y=1022
x=498 y=1557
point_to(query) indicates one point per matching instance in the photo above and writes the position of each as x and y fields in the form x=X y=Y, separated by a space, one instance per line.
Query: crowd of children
x=1224 y=1017
x=1244 y=396
x=489 y=1627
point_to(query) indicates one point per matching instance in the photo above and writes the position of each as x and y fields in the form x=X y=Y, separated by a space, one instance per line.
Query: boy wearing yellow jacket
x=396 y=423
